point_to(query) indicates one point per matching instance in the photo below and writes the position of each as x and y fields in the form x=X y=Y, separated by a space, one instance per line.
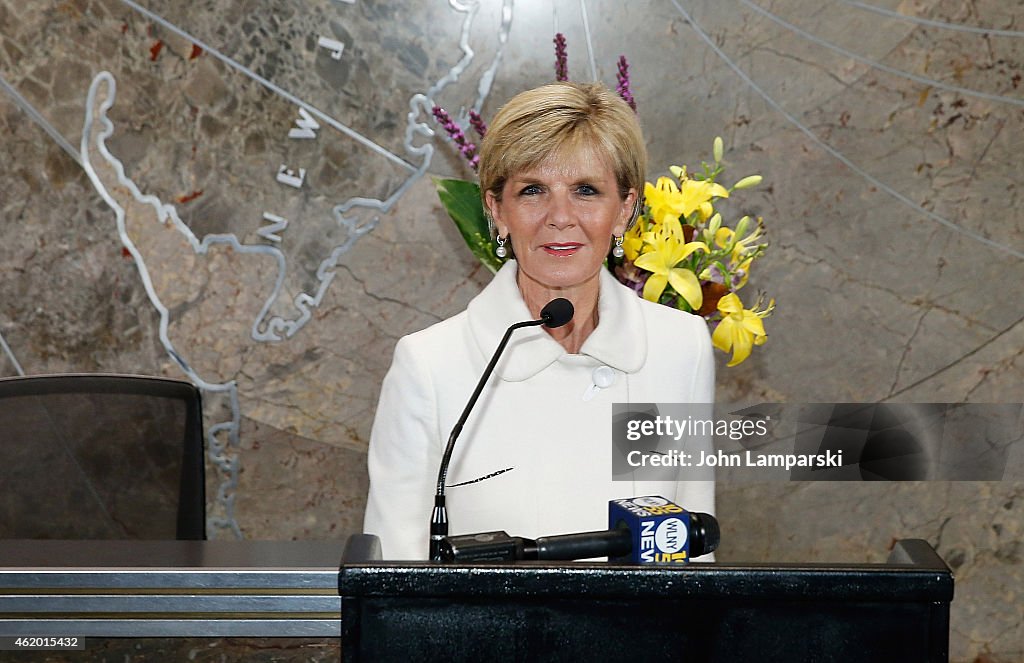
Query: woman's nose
x=560 y=213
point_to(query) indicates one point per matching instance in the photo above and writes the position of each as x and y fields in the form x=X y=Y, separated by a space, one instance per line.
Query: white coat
x=539 y=417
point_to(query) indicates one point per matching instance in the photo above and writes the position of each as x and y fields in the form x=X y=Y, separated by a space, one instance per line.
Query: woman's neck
x=572 y=335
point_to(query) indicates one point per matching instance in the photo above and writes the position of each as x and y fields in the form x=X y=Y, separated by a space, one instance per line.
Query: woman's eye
x=586 y=190
x=530 y=190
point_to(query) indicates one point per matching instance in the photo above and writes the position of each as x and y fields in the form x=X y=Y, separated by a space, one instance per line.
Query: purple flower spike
x=623 y=86
x=478 y=123
x=466 y=148
x=561 y=59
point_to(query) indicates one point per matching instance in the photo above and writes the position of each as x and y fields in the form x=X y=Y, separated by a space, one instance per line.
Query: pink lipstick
x=561 y=249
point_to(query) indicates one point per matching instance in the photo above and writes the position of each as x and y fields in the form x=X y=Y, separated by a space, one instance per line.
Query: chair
x=101 y=457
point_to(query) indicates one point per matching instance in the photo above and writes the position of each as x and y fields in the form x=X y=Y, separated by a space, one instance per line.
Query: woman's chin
x=561 y=277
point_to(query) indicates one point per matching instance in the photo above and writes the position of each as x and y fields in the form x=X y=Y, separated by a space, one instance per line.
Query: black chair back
x=101 y=457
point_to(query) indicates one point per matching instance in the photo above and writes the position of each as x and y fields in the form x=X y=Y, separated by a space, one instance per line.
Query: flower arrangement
x=680 y=253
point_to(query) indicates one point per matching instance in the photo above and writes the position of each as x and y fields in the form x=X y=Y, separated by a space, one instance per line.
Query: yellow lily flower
x=739 y=330
x=740 y=245
x=697 y=195
x=666 y=198
x=668 y=249
x=743 y=271
x=663 y=199
x=633 y=240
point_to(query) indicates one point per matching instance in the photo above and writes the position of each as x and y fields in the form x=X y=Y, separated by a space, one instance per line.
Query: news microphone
x=555 y=313
x=643 y=530
x=662 y=532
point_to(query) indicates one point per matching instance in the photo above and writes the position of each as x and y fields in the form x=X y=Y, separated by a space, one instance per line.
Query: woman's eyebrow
x=533 y=177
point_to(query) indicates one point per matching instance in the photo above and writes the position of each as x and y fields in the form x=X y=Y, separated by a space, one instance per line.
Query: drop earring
x=618 y=251
x=500 y=250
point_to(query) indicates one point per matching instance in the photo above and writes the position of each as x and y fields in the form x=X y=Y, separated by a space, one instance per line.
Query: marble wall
x=176 y=238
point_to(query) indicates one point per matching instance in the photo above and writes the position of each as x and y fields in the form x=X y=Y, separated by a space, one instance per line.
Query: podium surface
x=170 y=588
x=898 y=611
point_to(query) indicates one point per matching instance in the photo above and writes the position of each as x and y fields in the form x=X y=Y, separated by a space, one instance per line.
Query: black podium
x=897 y=611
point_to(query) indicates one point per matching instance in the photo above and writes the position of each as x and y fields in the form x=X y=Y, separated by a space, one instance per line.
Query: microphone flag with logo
x=662 y=532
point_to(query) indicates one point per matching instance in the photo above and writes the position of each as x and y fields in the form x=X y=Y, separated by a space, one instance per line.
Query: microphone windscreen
x=556 y=313
x=706 y=533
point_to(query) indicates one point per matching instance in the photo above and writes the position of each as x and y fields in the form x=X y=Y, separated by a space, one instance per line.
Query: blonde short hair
x=546 y=120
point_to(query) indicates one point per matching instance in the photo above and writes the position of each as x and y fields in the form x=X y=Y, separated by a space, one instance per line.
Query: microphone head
x=556 y=313
x=705 y=532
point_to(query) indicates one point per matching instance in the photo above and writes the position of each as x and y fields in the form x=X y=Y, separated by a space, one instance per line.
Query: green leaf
x=461 y=199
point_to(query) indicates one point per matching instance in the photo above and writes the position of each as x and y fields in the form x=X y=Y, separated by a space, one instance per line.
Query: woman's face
x=561 y=216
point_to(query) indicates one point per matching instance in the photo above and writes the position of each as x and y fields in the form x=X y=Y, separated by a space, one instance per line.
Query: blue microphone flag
x=659 y=528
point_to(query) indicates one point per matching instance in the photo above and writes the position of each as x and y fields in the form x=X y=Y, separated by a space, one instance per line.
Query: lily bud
x=712 y=228
x=741 y=228
x=718 y=149
x=748 y=181
x=715 y=223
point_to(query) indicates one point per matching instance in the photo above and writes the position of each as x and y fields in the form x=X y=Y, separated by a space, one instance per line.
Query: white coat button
x=604 y=377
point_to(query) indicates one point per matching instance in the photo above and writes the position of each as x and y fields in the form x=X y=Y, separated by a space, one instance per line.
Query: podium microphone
x=555 y=313
x=641 y=530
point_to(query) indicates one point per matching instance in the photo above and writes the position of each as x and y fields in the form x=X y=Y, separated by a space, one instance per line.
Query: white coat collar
x=619 y=341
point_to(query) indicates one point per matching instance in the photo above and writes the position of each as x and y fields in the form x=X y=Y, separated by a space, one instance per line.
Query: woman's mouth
x=561 y=249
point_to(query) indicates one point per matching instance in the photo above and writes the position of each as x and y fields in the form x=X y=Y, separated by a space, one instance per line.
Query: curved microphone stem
x=439 y=517
x=555 y=313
